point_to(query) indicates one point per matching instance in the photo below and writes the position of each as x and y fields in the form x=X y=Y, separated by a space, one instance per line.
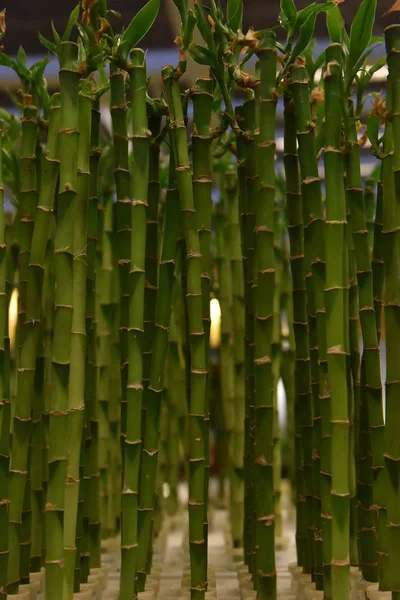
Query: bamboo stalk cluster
x=116 y=244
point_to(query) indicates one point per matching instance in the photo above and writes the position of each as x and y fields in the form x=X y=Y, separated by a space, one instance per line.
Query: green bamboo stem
x=238 y=328
x=263 y=323
x=314 y=251
x=202 y=137
x=133 y=442
x=391 y=224
x=303 y=405
x=104 y=319
x=224 y=432
x=151 y=293
x=157 y=370
x=76 y=390
x=22 y=420
x=5 y=406
x=372 y=386
x=58 y=411
x=248 y=182
x=198 y=372
x=335 y=286
x=378 y=275
x=90 y=546
x=122 y=184
x=370 y=208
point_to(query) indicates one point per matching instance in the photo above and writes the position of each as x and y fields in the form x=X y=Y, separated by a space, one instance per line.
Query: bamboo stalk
x=133 y=442
x=198 y=372
x=263 y=325
x=58 y=411
x=76 y=390
x=335 y=294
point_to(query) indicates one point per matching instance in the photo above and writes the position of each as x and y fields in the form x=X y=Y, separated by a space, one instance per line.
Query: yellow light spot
x=12 y=317
x=215 y=330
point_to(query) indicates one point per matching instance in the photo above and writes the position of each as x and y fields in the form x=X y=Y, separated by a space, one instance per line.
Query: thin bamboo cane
x=335 y=286
x=198 y=372
x=157 y=370
x=238 y=327
x=26 y=355
x=133 y=442
x=58 y=411
x=76 y=390
x=5 y=407
x=263 y=324
x=315 y=281
x=391 y=224
x=300 y=317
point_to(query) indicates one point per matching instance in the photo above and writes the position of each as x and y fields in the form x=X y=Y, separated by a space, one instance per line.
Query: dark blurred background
x=26 y=17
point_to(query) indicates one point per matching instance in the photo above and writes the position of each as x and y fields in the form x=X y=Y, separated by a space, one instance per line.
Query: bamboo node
x=135 y=386
x=140 y=203
x=340 y=563
x=338 y=349
x=262 y=361
x=198 y=371
x=150 y=452
x=266 y=575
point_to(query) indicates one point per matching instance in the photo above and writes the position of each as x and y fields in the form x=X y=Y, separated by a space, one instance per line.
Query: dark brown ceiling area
x=26 y=17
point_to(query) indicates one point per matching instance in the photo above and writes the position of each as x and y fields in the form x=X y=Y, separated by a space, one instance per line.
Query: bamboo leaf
x=204 y=26
x=306 y=33
x=288 y=9
x=6 y=61
x=56 y=36
x=73 y=18
x=361 y=31
x=312 y=9
x=182 y=6
x=189 y=28
x=138 y=27
x=21 y=57
x=335 y=24
x=47 y=44
x=202 y=55
x=234 y=14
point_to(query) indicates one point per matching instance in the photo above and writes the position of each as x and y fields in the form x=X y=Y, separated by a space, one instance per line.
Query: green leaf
x=335 y=24
x=6 y=61
x=202 y=55
x=21 y=57
x=312 y=9
x=188 y=30
x=204 y=26
x=234 y=14
x=56 y=36
x=47 y=44
x=306 y=33
x=73 y=18
x=361 y=31
x=182 y=6
x=138 y=27
x=288 y=9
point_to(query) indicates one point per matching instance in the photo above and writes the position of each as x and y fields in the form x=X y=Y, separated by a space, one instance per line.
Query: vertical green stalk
x=378 y=270
x=336 y=322
x=122 y=184
x=25 y=350
x=238 y=329
x=63 y=249
x=76 y=391
x=5 y=406
x=314 y=250
x=202 y=137
x=157 y=370
x=133 y=441
x=263 y=321
x=303 y=406
x=391 y=223
x=371 y=389
x=198 y=371
x=90 y=547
